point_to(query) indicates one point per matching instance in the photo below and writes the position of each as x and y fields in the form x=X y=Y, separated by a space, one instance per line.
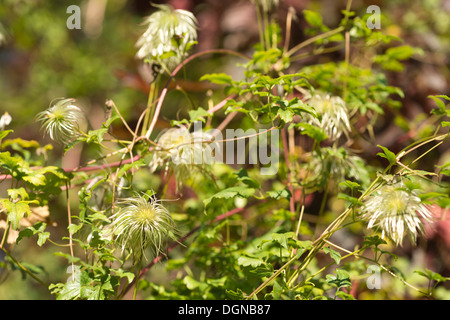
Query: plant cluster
x=229 y=231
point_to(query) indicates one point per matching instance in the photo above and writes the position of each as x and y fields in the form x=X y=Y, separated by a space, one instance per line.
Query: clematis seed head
x=183 y=152
x=62 y=121
x=142 y=223
x=168 y=35
x=396 y=211
x=333 y=115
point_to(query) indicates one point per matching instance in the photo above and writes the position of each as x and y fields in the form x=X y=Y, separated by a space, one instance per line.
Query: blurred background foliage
x=41 y=59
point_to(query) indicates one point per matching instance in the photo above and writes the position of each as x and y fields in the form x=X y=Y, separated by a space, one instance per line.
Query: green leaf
x=354 y=186
x=12 y=164
x=313 y=18
x=285 y=115
x=4 y=133
x=42 y=238
x=389 y=155
x=390 y=60
x=18 y=143
x=245 y=260
x=16 y=210
x=243 y=192
x=125 y=274
x=128 y=166
x=312 y=131
x=440 y=104
x=99 y=216
x=432 y=276
x=28 y=233
x=58 y=172
x=217 y=78
x=79 y=287
x=236 y=295
x=281 y=194
x=35 y=178
x=444 y=169
x=336 y=256
x=344 y=295
x=352 y=201
x=39 y=229
x=74 y=228
x=340 y=279
x=441 y=110
x=373 y=241
x=375 y=107
x=192 y=284
x=264 y=270
x=400 y=52
x=217 y=283
x=244 y=178
x=15 y=194
x=283 y=238
x=442 y=96
x=96 y=136
x=198 y=115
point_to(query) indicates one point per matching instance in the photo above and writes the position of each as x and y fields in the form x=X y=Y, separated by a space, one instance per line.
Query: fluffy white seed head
x=5 y=120
x=62 y=121
x=332 y=166
x=142 y=224
x=333 y=113
x=396 y=211
x=183 y=152
x=168 y=34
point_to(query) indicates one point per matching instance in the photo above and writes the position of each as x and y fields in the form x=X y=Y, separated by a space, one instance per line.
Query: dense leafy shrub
x=297 y=208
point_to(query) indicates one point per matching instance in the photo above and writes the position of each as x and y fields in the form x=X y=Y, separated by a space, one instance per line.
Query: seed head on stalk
x=142 y=223
x=62 y=121
x=333 y=114
x=168 y=36
x=396 y=211
x=183 y=152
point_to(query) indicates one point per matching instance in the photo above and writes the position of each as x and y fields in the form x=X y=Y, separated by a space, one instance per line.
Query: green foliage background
x=42 y=60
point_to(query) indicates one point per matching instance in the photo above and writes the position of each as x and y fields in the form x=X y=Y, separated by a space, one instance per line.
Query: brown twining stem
x=105 y=166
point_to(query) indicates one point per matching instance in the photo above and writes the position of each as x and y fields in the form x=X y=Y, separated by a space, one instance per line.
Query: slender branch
x=288 y=167
x=290 y=14
x=314 y=39
x=225 y=122
x=107 y=165
x=347 y=62
x=220 y=105
x=177 y=69
x=23 y=268
x=111 y=103
x=177 y=243
x=69 y=219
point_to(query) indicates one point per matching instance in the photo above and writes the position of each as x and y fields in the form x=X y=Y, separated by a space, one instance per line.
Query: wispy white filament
x=62 y=121
x=140 y=224
x=167 y=35
x=397 y=212
x=183 y=152
x=333 y=112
